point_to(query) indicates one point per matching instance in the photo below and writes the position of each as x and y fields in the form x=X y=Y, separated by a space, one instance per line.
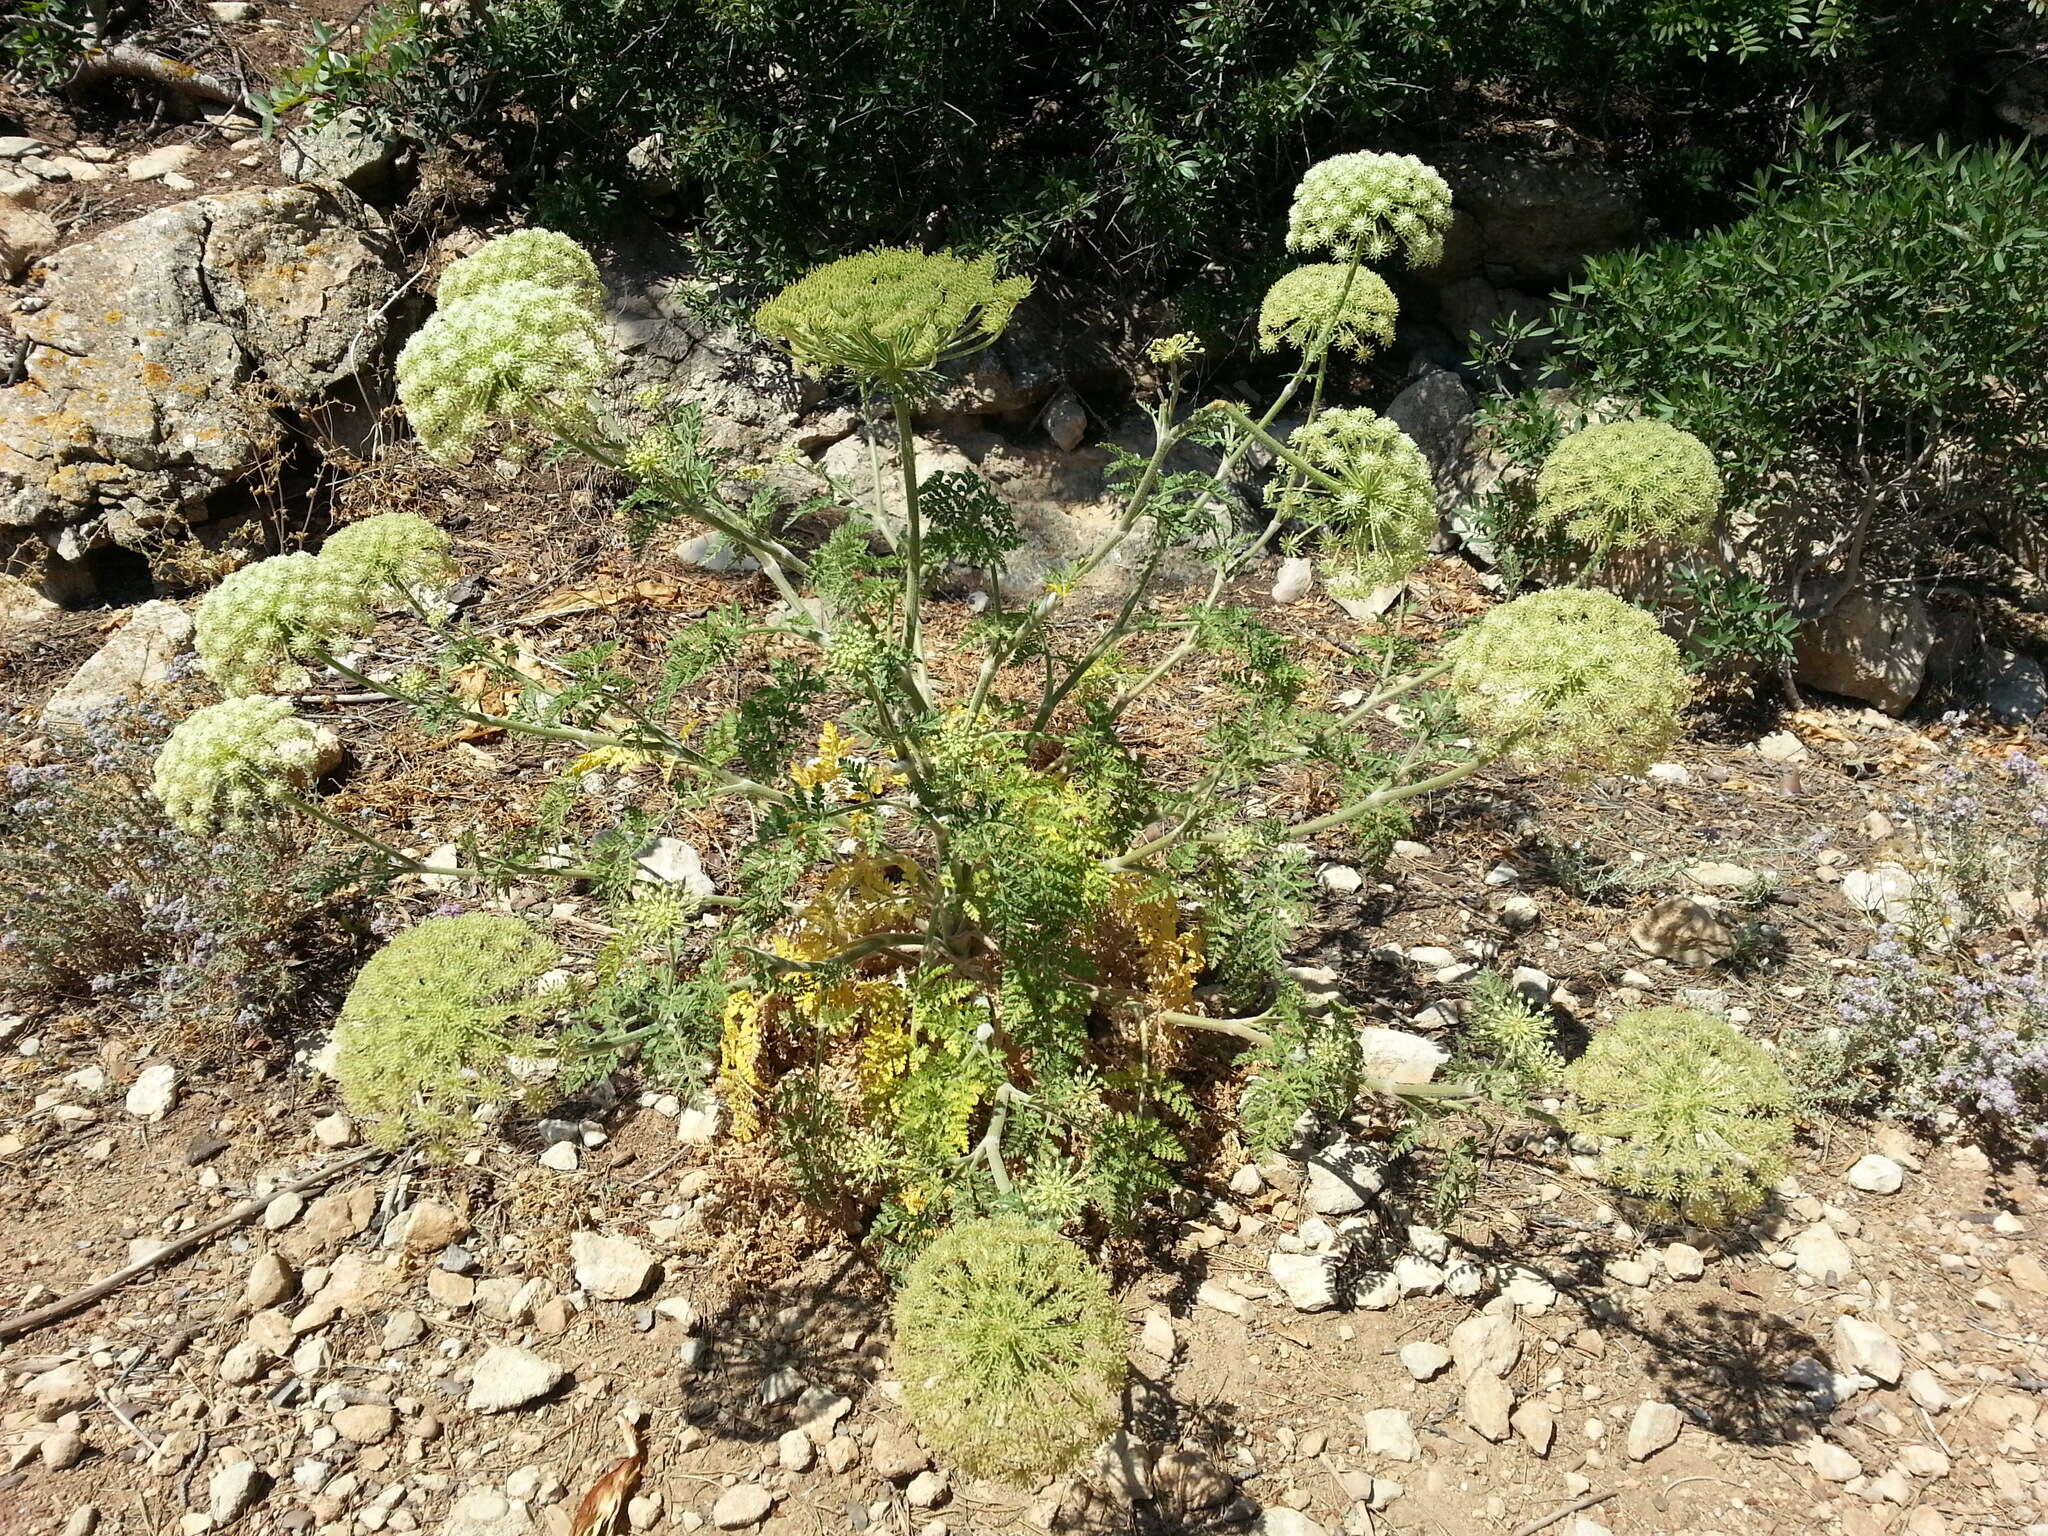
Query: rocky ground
x=477 y=1349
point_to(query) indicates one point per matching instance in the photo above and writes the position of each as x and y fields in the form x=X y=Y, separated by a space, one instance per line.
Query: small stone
x=1820 y=1254
x=60 y=1390
x=1416 y=1276
x=1219 y=1297
x=896 y=1455
x=2026 y=1271
x=1631 y=1272
x=84 y=1521
x=510 y=1377
x=429 y=1226
x=1399 y=1056
x=1831 y=1461
x=365 y=1423
x=1489 y=1343
x=1423 y=1359
x=1279 y=1520
x=1926 y=1390
x=233 y=1490
x=740 y=1506
x=1247 y=1180
x=402 y=1329
x=1864 y=1347
x=795 y=1451
x=561 y=1156
x=1389 y=1433
x=62 y=1451
x=1876 y=1174
x=1655 y=1426
x=611 y=1268
x=270 y=1282
x=166 y=161
x=1535 y=1426
x=334 y=1131
x=1682 y=1261
x=1341 y=1179
x=233 y=10
x=1306 y=1278
x=282 y=1212
x=927 y=1490
x=154 y=1092
x=1340 y=879
x=1486 y=1405
x=1156 y=1337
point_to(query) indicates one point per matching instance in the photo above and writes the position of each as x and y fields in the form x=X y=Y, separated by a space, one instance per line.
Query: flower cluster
x=1696 y=1116
x=1367 y=204
x=229 y=764
x=527 y=256
x=394 y=553
x=889 y=317
x=1570 y=678
x=518 y=341
x=425 y=1034
x=1372 y=497
x=1010 y=1348
x=255 y=631
x=1627 y=483
x=1353 y=306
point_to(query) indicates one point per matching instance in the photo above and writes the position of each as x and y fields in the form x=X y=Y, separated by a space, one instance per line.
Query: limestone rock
x=135 y=661
x=233 y=1491
x=1279 y=1520
x=1389 y=1433
x=611 y=1268
x=1486 y=1405
x=429 y=1226
x=510 y=1377
x=61 y=1389
x=1654 y=1426
x=742 y=1505
x=270 y=1281
x=1869 y=648
x=26 y=237
x=1864 y=1347
x=1422 y=1359
x=1306 y=1278
x=487 y=1512
x=347 y=149
x=1399 y=1056
x=1820 y=1254
x=1683 y=930
x=365 y=1423
x=1488 y=1344
x=170 y=343
x=154 y=1093
x=1876 y=1174
x=1534 y=1425
x=1341 y=1179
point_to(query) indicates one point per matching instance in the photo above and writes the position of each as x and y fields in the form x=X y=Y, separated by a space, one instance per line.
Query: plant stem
x=913 y=556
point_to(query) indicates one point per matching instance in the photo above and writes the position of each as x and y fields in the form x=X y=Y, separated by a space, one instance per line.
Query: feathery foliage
x=1697 y=1117
x=425 y=1036
x=1010 y=1349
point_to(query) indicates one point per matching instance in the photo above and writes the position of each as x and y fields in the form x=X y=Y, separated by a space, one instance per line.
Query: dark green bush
x=1865 y=351
x=1149 y=137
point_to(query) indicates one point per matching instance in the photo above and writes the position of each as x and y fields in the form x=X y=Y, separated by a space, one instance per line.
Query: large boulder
x=1530 y=222
x=1870 y=648
x=165 y=349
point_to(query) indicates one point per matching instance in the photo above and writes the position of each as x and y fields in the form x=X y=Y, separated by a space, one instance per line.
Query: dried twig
x=177 y=1247
x=1570 y=1509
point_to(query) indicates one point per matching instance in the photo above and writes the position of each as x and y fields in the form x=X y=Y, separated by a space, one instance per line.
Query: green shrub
x=1144 y=138
x=1011 y=1350
x=956 y=970
x=1872 y=336
x=423 y=1040
x=257 y=629
x=1696 y=1116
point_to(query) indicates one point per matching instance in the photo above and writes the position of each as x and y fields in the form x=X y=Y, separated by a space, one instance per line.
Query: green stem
x=873 y=944
x=913 y=556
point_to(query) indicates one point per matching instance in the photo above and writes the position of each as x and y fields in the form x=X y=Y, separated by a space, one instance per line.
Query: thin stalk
x=913 y=556
x=873 y=944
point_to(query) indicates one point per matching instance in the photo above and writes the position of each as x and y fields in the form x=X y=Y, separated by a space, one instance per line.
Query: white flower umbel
x=229 y=765
x=1368 y=205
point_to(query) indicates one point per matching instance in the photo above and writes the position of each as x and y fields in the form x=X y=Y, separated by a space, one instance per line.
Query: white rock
x=335 y=1130
x=561 y=1156
x=1297 y=578
x=1423 y=1359
x=1925 y=1388
x=1486 y=1404
x=1417 y=1276
x=927 y=1490
x=1247 y=1180
x=1306 y=1278
x=62 y=1451
x=270 y=1281
x=1530 y=1292
x=1632 y=1272
x=1488 y=1344
x=794 y=1451
x=1831 y=1461
x=161 y=162
x=1399 y=1056
x=62 y=1389
x=1669 y=773
x=1876 y=1174
x=1156 y=1337
x=1340 y=879
x=1535 y=1425
x=1864 y=1347
x=154 y=1092
x=1389 y=1433
x=1341 y=1179
x=1219 y=1297
x=611 y=1268
x=740 y=1506
x=1820 y=1254
x=1655 y=1425
x=1376 y=1293
x=671 y=861
x=1682 y=1261
x=510 y=1377
x=233 y=1489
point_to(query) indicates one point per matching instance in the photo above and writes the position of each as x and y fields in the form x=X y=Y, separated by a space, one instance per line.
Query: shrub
x=1628 y=483
x=1507 y=1048
x=106 y=899
x=536 y=256
x=1010 y=1349
x=424 y=1038
x=1697 y=1118
x=956 y=973
x=1869 y=338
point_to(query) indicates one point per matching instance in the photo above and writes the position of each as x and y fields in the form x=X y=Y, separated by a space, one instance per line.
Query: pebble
x=611 y=1268
x=1654 y=1426
x=1486 y=1405
x=365 y=1423
x=1926 y=1390
x=1682 y=1261
x=510 y=1377
x=63 y=1450
x=163 y=162
x=1306 y=1278
x=1279 y=1520
x=1340 y=880
x=233 y=1491
x=282 y=1212
x=334 y=1131
x=740 y=1506
x=561 y=1156
x=1876 y=1174
x=1389 y=1433
x=270 y=1281
x=1423 y=1359
x=1864 y=1347
x=1831 y=1461
x=1820 y=1254
x=795 y=1451
x=1535 y=1425
x=154 y=1092
x=927 y=1490
x=402 y=1329
x=1633 y=1272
